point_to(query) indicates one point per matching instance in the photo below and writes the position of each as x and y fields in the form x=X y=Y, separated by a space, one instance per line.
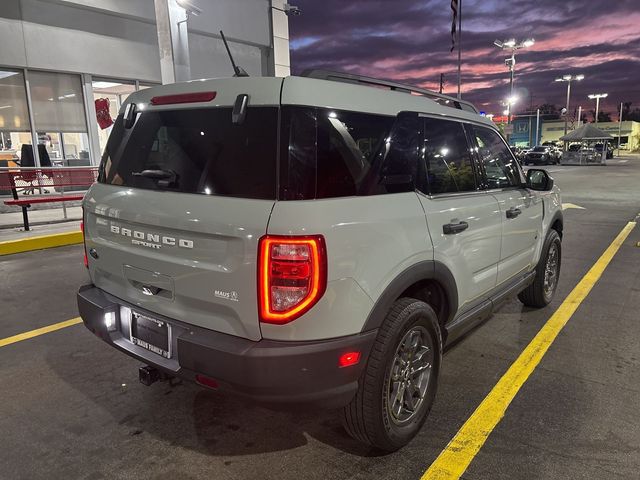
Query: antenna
x=238 y=71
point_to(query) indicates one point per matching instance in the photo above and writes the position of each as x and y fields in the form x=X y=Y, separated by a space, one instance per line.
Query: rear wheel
x=397 y=388
x=540 y=293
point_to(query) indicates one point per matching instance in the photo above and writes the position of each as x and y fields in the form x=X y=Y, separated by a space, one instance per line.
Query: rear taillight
x=84 y=244
x=292 y=276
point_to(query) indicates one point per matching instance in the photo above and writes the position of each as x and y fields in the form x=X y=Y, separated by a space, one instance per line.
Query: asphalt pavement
x=71 y=407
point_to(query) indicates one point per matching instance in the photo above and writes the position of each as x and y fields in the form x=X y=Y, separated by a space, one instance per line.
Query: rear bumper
x=266 y=371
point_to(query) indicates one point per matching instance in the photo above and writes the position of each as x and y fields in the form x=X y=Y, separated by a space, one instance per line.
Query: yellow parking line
x=39 y=331
x=454 y=460
x=28 y=244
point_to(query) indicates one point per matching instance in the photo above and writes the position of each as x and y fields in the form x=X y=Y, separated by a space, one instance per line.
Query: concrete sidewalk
x=12 y=234
x=13 y=219
x=48 y=228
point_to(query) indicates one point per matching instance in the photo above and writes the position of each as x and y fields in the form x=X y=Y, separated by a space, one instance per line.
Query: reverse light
x=110 y=321
x=292 y=276
x=348 y=359
x=183 y=98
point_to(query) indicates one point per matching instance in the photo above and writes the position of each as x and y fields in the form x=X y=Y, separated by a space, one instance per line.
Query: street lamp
x=598 y=96
x=512 y=45
x=568 y=79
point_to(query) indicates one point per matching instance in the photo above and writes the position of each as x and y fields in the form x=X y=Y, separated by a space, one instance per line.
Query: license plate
x=151 y=334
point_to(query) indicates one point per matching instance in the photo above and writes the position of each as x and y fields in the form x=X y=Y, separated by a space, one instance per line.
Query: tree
x=550 y=111
x=604 y=117
x=632 y=115
x=628 y=114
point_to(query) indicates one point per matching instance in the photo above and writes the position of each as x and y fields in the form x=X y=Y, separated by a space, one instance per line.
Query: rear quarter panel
x=552 y=207
x=370 y=240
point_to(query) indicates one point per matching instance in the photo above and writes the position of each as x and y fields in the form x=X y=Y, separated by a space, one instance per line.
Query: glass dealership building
x=67 y=65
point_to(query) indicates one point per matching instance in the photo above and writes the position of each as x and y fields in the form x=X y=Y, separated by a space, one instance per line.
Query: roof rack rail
x=395 y=86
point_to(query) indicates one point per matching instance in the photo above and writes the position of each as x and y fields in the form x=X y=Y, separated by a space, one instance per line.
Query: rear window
x=196 y=151
x=540 y=149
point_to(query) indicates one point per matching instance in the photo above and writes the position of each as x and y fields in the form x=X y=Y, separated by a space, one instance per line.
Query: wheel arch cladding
x=557 y=223
x=429 y=281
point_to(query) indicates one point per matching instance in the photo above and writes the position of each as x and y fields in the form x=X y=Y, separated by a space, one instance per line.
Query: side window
x=298 y=164
x=499 y=165
x=399 y=155
x=447 y=157
x=346 y=146
x=333 y=153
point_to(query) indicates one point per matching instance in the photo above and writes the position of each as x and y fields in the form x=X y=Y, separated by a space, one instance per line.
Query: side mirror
x=538 y=179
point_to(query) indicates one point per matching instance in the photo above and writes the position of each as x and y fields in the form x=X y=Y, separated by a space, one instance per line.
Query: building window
x=14 y=118
x=59 y=117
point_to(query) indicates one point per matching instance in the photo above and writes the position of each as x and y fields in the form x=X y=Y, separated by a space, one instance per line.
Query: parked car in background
x=555 y=149
x=541 y=155
x=600 y=146
x=574 y=147
x=517 y=152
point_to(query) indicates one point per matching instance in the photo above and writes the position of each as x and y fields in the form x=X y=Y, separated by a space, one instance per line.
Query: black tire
x=367 y=418
x=537 y=295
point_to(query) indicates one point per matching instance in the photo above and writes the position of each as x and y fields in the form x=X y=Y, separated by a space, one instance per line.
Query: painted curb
x=39 y=243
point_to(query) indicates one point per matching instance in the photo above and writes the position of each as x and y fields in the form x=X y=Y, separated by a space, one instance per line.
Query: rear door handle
x=513 y=212
x=452 y=228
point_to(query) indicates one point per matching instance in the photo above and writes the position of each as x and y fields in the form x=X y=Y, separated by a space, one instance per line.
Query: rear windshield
x=196 y=151
x=540 y=149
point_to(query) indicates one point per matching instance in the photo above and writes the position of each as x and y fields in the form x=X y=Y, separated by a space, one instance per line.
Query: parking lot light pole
x=620 y=127
x=512 y=45
x=568 y=79
x=597 y=97
x=580 y=115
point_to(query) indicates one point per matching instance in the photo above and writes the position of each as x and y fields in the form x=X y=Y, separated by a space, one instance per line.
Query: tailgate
x=183 y=196
x=195 y=261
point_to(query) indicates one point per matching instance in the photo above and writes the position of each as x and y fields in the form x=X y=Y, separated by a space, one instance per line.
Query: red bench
x=54 y=184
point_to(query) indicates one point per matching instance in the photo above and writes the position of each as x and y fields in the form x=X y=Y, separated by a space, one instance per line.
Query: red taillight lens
x=292 y=276
x=183 y=98
x=86 y=260
x=348 y=359
x=207 y=381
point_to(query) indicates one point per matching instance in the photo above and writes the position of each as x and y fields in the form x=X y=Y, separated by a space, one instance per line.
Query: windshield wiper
x=165 y=178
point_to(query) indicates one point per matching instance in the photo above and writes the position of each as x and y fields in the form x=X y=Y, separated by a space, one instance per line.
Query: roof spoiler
x=343 y=77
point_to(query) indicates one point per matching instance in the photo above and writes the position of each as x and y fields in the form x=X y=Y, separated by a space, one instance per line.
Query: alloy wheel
x=409 y=377
x=551 y=271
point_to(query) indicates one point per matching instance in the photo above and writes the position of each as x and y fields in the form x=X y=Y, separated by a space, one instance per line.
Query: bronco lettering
x=151 y=240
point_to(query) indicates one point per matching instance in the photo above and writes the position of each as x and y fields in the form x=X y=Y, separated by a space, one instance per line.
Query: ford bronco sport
x=311 y=240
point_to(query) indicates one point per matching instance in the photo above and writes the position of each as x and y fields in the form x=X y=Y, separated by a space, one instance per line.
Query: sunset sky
x=409 y=41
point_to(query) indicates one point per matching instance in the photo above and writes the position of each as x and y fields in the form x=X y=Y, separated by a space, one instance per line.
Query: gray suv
x=311 y=240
